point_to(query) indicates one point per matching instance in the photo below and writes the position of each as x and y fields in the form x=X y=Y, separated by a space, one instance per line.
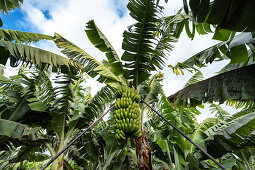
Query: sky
x=69 y=18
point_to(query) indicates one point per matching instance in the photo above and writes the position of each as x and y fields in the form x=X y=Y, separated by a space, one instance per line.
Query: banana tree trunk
x=58 y=164
x=143 y=152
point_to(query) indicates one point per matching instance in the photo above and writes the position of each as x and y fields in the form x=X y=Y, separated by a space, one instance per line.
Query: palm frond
x=21 y=36
x=98 y=39
x=138 y=41
x=91 y=66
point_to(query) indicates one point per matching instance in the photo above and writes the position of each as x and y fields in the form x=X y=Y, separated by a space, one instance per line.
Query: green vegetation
x=46 y=105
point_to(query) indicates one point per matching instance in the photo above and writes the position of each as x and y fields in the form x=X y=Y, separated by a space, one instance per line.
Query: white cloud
x=68 y=18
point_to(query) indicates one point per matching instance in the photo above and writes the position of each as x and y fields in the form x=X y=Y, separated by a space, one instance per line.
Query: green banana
x=137 y=133
x=126 y=127
x=127 y=114
x=121 y=136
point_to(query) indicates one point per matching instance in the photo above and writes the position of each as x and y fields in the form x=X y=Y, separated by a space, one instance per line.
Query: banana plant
x=37 y=116
x=227 y=138
x=145 y=44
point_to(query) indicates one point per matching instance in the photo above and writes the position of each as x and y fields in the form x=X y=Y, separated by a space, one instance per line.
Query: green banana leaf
x=231 y=85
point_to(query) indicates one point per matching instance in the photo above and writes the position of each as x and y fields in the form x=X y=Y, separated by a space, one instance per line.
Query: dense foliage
x=46 y=105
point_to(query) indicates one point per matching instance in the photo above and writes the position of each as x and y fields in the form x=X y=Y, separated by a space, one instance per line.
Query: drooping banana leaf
x=240 y=104
x=18 y=53
x=198 y=76
x=17 y=134
x=21 y=102
x=98 y=39
x=232 y=134
x=15 y=130
x=235 y=50
x=237 y=84
x=181 y=21
x=21 y=36
x=137 y=41
x=248 y=142
x=90 y=64
x=213 y=53
x=227 y=14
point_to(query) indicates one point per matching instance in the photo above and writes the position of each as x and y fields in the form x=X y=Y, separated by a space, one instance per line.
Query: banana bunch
x=127 y=113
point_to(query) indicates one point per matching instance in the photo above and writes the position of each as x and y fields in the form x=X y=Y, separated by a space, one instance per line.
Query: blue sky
x=120 y=7
x=14 y=21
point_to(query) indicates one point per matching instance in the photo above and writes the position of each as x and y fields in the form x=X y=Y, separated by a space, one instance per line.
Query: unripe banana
x=127 y=114
x=121 y=136
x=122 y=126
x=126 y=127
x=117 y=136
x=121 y=132
x=127 y=120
